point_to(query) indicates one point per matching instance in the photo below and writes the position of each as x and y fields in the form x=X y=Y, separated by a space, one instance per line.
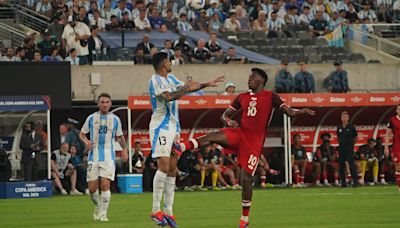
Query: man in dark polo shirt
x=347 y=137
x=318 y=26
x=201 y=54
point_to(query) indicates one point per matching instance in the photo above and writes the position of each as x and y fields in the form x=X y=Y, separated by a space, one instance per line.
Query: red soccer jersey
x=394 y=124
x=256 y=111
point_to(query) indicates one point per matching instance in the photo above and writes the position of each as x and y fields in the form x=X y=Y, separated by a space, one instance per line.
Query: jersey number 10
x=251 y=111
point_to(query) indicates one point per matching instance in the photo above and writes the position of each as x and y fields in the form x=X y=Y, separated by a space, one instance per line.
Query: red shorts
x=247 y=150
x=223 y=168
x=396 y=156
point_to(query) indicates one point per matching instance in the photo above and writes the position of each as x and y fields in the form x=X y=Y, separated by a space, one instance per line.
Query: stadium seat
x=259 y=35
x=261 y=42
x=267 y=50
x=338 y=50
x=276 y=42
x=244 y=42
x=357 y=58
x=245 y=35
x=321 y=42
x=309 y=50
x=295 y=50
x=291 y=41
x=314 y=58
x=324 y=50
x=303 y=35
x=281 y=49
x=344 y=57
x=254 y=48
x=328 y=58
x=306 y=41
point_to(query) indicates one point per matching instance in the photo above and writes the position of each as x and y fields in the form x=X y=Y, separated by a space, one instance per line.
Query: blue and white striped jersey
x=165 y=114
x=103 y=129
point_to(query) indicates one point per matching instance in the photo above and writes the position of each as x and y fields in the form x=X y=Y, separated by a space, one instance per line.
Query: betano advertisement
x=370 y=112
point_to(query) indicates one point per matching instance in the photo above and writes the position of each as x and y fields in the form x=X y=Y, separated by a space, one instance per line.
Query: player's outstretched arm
x=292 y=112
x=190 y=87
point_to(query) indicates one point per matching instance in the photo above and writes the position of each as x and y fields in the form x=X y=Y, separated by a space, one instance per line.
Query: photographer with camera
x=31 y=144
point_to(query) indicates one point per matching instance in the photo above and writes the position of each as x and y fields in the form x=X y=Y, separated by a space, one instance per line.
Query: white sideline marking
x=346 y=193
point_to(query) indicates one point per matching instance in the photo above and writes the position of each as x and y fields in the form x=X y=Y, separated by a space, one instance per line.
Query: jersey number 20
x=103 y=129
x=251 y=111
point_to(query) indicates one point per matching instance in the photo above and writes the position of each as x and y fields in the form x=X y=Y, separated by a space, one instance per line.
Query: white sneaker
x=237 y=187
x=103 y=216
x=383 y=182
x=96 y=214
x=371 y=183
x=63 y=192
x=87 y=192
x=327 y=184
x=75 y=192
x=189 y=189
x=318 y=184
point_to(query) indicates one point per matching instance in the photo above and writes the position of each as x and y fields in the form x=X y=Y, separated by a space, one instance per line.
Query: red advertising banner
x=292 y=99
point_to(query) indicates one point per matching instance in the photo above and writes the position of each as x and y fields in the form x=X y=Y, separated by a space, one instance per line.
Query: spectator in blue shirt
x=284 y=82
x=157 y=22
x=53 y=57
x=73 y=57
x=337 y=80
x=304 y=80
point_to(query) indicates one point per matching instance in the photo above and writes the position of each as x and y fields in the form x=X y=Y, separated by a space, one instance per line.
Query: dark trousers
x=347 y=155
x=194 y=176
x=31 y=169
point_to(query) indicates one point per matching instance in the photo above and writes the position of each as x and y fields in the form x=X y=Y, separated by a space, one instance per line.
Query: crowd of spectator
x=76 y=24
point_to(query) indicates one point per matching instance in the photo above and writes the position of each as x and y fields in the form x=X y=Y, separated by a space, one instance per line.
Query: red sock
x=189 y=145
x=317 y=178
x=297 y=177
x=263 y=179
x=398 y=178
x=246 y=207
x=325 y=176
x=336 y=176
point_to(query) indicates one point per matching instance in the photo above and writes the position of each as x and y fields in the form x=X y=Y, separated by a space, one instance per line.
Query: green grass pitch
x=310 y=207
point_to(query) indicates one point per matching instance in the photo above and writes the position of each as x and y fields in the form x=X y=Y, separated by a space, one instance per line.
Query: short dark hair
x=104 y=95
x=72 y=50
x=230 y=48
x=158 y=58
x=296 y=135
x=261 y=73
x=345 y=113
x=165 y=41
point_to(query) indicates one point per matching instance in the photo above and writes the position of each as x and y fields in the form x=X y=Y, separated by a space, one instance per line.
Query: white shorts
x=104 y=169
x=161 y=143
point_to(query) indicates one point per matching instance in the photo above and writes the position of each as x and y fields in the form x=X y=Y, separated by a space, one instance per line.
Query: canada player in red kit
x=394 y=128
x=256 y=107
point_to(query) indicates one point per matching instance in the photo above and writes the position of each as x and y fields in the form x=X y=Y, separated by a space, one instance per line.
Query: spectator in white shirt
x=183 y=25
x=10 y=57
x=292 y=17
x=98 y=21
x=76 y=35
x=43 y=6
x=337 y=5
x=280 y=11
x=139 y=4
x=121 y=9
x=141 y=22
x=367 y=13
x=260 y=24
x=232 y=24
x=274 y=25
x=306 y=17
x=73 y=57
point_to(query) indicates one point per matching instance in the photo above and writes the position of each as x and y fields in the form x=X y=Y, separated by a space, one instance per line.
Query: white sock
x=105 y=200
x=94 y=196
x=326 y=181
x=169 y=193
x=245 y=218
x=158 y=189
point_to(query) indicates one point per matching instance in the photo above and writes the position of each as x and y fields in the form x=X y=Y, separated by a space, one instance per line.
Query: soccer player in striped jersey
x=164 y=130
x=104 y=128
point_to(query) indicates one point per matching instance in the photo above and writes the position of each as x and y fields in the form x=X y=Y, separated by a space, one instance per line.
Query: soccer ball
x=196 y=4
